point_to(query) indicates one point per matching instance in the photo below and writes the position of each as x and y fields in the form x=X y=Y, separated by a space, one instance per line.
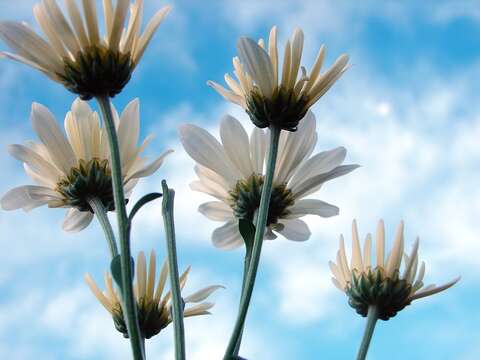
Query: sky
x=407 y=111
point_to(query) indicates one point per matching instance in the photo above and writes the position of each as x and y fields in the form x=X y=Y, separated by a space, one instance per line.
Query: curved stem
x=257 y=244
x=101 y=214
x=178 y=329
x=372 y=318
x=128 y=300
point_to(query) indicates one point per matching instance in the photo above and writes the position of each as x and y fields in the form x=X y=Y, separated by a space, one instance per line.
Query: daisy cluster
x=261 y=183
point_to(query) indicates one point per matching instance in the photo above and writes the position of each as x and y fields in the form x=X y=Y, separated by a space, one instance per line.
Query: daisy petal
x=258 y=65
x=227 y=237
x=76 y=220
x=313 y=206
x=216 y=211
x=295 y=230
x=50 y=134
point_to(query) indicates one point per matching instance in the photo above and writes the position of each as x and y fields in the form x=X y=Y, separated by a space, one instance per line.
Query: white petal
x=357 y=261
x=61 y=25
x=200 y=309
x=147 y=35
x=209 y=188
x=381 y=244
x=227 y=237
x=216 y=210
x=320 y=163
x=19 y=198
x=151 y=168
x=227 y=94
x=325 y=82
x=118 y=23
x=36 y=162
x=395 y=257
x=314 y=207
x=297 y=48
x=310 y=185
x=427 y=292
x=129 y=131
x=76 y=220
x=295 y=230
x=90 y=13
x=258 y=65
x=202 y=294
x=77 y=22
x=30 y=46
x=296 y=148
x=273 y=51
x=258 y=148
x=50 y=134
x=207 y=151
x=236 y=144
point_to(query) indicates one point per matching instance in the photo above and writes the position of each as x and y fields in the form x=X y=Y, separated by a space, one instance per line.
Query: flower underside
x=245 y=199
x=388 y=294
x=97 y=71
x=152 y=319
x=91 y=179
x=283 y=109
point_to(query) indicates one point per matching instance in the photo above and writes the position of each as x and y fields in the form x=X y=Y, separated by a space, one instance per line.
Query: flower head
x=231 y=172
x=70 y=171
x=383 y=285
x=74 y=52
x=154 y=307
x=272 y=98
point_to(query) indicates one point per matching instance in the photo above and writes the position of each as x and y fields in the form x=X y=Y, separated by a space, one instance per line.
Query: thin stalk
x=128 y=299
x=246 y=265
x=372 y=318
x=101 y=214
x=257 y=243
x=177 y=302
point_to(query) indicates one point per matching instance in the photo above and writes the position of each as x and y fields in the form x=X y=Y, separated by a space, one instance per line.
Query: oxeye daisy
x=388 y=286
x=232 y=172
x=274 y=96
x=154 y=307
x=74 y=171
x=75 y=53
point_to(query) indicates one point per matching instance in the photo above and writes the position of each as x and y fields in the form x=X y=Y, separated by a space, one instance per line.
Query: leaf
x=143 y=200
x=247 y=230
x=116 y=270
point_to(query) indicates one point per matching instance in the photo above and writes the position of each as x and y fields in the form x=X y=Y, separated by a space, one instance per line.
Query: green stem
x=128 y=298
x=101 y=214
x=177 y=302
x=372 y=318
x=246 y=265
x=257 y=244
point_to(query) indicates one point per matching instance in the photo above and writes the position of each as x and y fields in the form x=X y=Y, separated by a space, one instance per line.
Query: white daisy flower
x=383 y=285
x=154 y=308
x=75 y=53
x=267 y=98
x=69 y=171
x=231 y=171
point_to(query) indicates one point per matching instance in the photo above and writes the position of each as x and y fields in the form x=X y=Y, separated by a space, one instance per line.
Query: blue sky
x=407 y=111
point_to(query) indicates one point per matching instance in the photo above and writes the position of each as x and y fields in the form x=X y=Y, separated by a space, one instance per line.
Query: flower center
x=389 y=294
x=284 y=109
x=97 y=71
x=152 y=318
x=245 y=199
x=91 y=179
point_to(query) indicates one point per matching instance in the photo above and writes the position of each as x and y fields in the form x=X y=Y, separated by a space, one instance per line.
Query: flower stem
x=257 y=244
x=372 y=318
x=128 y=298
x=246 y=265
x=177 y=302
x=101 y=214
